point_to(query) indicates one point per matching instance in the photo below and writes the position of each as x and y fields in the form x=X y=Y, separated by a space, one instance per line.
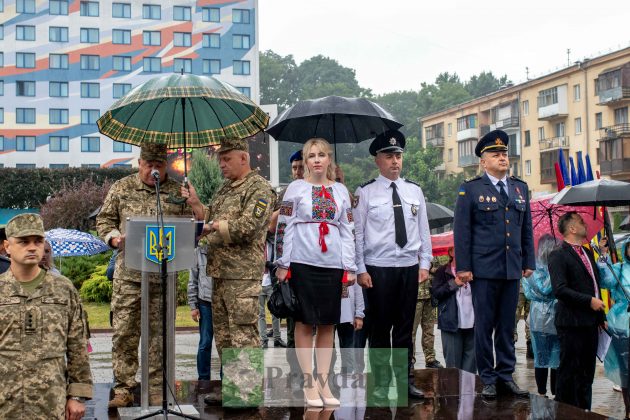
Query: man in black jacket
x=579 y=312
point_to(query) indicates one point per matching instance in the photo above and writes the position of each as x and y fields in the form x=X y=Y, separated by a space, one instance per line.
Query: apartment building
x=582 y=108
x=64 y=62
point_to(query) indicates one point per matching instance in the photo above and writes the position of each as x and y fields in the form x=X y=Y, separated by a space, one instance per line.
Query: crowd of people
x=360 y=265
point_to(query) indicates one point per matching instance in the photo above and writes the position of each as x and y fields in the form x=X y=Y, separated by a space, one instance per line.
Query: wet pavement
x=445 y=396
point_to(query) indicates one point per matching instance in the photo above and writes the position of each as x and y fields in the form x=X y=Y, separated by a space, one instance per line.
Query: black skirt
x=318 y=290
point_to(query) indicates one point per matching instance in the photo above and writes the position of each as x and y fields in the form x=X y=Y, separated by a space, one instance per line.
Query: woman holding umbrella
x=315 y=253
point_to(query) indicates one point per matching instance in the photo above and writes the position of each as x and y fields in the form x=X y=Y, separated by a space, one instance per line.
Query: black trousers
x=578 y=349
x=391 y=310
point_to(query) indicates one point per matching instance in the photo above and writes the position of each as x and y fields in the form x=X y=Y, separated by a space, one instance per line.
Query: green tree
x=322 y=76
x=405 y=107
x=485 y=83
x=278 y=79
x=205 y=174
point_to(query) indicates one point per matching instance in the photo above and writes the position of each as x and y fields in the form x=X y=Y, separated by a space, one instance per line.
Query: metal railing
x=436 y=141
x=554 y=143
x=615 y=131
x=508 y=122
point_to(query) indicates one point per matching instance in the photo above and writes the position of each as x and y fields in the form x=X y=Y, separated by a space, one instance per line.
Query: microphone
x=155 y=174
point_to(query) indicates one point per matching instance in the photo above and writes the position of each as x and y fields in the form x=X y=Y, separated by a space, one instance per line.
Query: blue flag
x=589 y=169
x=563 y=167
x=574 y=178
x=580 y=169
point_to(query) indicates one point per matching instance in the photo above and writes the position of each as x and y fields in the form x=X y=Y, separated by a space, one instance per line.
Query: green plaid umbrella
x=182 y=111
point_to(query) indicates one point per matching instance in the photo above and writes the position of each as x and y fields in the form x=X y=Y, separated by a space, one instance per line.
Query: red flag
x=559 y=179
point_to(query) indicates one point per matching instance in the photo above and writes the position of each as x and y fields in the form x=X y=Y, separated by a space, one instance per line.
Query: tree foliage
x=205 y=175
x=278 y=79
x=97 y=288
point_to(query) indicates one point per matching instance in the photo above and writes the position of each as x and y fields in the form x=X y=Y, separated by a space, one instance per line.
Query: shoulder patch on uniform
x=517 y=179
x=367 y=183
x=260 y=207
x=472 y=179
x=286 y=208
x=411 y=182
x=462 y=190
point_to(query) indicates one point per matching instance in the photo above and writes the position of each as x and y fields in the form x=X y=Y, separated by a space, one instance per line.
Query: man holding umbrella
x=134 y=195
x=494 y=248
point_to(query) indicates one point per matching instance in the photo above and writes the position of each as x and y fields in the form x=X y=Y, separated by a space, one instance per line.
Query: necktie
x=502 y=192
x=399 y=219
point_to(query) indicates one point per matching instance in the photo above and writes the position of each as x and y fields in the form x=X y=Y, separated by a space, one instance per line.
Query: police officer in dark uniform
x=494 y=248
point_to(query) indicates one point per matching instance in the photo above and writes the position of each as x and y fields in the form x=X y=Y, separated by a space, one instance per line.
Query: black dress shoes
x=279 y=343
x=510 y=388
x=415 y=392
x=489 y=391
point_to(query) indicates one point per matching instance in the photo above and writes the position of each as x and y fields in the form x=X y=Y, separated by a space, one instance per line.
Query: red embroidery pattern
x=280 y=239
x=349 y=215
x=286 y=208
x=324 y=207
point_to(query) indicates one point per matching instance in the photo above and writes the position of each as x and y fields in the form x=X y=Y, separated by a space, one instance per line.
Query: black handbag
x=282 y=303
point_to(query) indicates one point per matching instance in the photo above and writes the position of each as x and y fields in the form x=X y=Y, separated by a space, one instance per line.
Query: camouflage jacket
x=129 y=197
x=43 y=348
x=243 y=209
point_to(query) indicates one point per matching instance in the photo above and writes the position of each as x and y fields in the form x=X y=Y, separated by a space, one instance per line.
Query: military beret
x=296 y=156
x=25 y=224
x=391 y=141
x=233 y=144
x=496 y=140
x=153 y=151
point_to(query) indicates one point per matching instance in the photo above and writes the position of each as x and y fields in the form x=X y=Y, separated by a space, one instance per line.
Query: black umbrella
x=438 y=215
x=600 y=192
x=334 y=118
x=625 y=223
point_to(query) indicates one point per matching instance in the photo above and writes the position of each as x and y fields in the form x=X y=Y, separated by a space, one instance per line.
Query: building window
x=182 y=64
x=58 y=143
x=181 y=13
x=525 y=107
x=577 y=95
x=25 y=6
x=182 y=39
x=450 y=129
x=596 y=87
x=541 y=133
x=1 y=87
x=89 y=35
x=121 y=89
x=1 y=115
x=151 y=11
x=57 y=116
x=90 y=144
x=560 y=132
x=58 y=61
x=58 y=166
x=121 y=36
x=245 y=90
x=547 y=97
x=240 y=42
x=25 y=60
x=121 y=10
x=90 y=62
x=621 y=115
x=240 y=16
x=25 y=115
x=58 y=89
x=24 y=88
x=528 y=138
x=90 y=90
x=598 y=121
x=240 y=67
x=121 y=63
x=90 y=165
x=211 y=14
x=1 y=59
x=469 y=121
x=152 y=64
x=58 y=7
x=211 y=41
x=89 y=116
x=1 y=142
x=58 y=34
x=25 y=166
x=211 y=66
x=121 y=147
x=151 y=38
x=450 y=154
x=1 y=32
x=528 y=167
x=25 y=143
x=578 y=125
x=89 y=8
x=1 y=10
x=24 y=33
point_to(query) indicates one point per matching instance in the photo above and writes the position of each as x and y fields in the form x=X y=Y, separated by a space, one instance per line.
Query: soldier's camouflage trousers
x=425 y=317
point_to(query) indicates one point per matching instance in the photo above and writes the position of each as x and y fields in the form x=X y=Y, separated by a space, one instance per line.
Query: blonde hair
x=324 y=147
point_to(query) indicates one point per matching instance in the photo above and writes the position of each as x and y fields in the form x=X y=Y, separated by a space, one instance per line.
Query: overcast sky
x=398 y=44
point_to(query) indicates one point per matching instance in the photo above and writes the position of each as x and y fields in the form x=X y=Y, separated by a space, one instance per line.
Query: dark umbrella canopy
x=334 y=118
x=600 y=192
x=438 y=215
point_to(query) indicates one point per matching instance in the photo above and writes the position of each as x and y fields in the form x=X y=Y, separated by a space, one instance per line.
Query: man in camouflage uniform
x=134 y=195
x=238 y=219
x=425 y=317
x=44 y=362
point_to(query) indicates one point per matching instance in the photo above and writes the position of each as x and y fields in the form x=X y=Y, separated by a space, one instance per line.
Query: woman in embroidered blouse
x=315 y=253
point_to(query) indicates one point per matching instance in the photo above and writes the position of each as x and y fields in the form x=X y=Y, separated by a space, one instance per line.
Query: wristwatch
x=79 y=399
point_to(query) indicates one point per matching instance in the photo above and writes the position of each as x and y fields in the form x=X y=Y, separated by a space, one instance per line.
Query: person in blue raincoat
x=542 y=311
x=616 y=361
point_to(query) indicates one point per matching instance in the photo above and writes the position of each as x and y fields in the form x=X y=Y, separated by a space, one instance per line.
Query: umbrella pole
x=184 y=130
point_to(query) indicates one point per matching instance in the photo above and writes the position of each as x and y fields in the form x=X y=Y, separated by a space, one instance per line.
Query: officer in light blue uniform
x=494 y=248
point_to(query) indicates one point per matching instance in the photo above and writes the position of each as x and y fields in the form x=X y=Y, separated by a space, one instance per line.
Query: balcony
x=614 y=156
x=436 y=142
x=614 y=86
x=483 y=130
x=511 y=122
x=552 y=104
x=468 y=160
x=514 y=149
x=614 y=96
x=615 y=131
x=468 y=133
x=554 y=143
x=616 y=168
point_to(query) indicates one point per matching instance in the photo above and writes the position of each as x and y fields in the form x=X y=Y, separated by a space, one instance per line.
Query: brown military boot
x=122 y=398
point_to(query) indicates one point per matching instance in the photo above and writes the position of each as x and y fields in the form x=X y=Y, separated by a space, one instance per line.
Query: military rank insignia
x=414 y=209
x=260 y=207
x=159 y=244
x=286 y=208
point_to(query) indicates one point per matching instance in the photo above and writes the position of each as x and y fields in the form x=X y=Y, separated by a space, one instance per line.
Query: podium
x=143 y=253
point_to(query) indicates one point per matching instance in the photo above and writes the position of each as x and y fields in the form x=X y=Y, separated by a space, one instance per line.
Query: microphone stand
x=165 y=411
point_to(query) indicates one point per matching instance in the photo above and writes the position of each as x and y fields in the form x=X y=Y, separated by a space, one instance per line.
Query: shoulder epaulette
x=411 y=182
x=367 y=183
x=517 y=179
x=472 y=179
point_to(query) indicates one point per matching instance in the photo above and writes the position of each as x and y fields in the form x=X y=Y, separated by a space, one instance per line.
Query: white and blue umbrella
x=74 y=243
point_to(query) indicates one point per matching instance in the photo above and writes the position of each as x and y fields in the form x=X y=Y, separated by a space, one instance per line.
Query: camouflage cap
x=233 y=144
x=153 y=151
x=25 y=224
